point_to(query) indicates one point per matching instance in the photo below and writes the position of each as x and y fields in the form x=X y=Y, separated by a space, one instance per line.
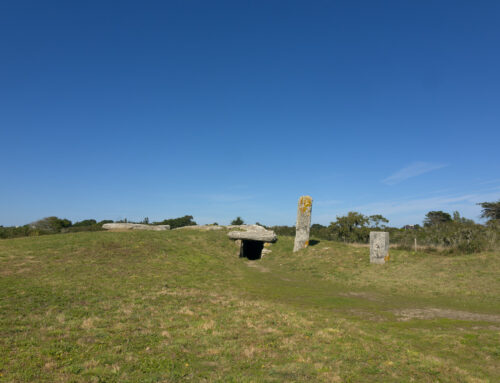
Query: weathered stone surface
x=134 y=226
x=253 y=233
x=379 y=247
x=245 y=227
x=303 y=223
x=200 y=227
x=266 y=251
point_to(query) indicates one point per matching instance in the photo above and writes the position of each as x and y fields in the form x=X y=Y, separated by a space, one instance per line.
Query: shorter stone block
x=379 y=247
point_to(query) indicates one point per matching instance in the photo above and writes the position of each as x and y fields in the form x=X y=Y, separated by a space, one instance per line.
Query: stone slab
x=303 y=225
x=134 y=226
x=379 y=247
x=253 y=233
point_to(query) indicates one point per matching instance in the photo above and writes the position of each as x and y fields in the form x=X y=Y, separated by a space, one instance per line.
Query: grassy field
x=180 y=305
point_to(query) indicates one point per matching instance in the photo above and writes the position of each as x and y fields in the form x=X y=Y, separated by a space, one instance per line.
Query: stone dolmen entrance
x=251 y=239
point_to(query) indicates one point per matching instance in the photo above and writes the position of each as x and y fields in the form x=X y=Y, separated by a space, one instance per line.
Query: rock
x=379 y=247
x=253 y=233
x=134 y=226
x=303 y=225
x=245 y=227
x=266 y=251
x=200 y=227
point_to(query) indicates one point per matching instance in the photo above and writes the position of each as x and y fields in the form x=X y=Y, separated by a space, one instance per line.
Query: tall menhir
x=303 y=223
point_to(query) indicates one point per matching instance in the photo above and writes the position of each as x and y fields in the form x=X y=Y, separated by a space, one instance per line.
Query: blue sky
x=236 y=108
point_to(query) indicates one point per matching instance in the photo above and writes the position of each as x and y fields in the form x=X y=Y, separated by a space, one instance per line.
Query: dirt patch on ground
x=431 y=313
x=258 y=267
x=369 y=315
x=363 y=295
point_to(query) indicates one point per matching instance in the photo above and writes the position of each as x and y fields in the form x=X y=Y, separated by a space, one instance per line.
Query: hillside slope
x=180 y=305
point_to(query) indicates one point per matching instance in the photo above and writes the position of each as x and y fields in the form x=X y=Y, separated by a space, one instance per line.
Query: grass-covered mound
x=180 y=305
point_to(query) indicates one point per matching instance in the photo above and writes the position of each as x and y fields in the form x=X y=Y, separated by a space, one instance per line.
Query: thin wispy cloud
x=413 y=210
x=415 y=169
x=419 y=204
x=495 y=181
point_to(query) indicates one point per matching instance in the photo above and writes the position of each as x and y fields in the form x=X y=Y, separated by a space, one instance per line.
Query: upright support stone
x=379 y=247
x=303 y=223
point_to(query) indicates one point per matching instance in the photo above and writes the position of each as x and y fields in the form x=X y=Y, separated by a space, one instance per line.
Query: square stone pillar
x=303 y=223
x=379 y=247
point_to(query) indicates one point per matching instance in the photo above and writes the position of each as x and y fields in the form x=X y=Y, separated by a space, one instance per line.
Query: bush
x=16 y=232
x=86 y=222
x=50 y=225
x=283 y=230
x=187 y=220
x=237 y=221
x=453 y=236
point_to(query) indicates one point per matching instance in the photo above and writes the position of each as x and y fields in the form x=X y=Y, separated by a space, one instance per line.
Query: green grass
x=180 y=305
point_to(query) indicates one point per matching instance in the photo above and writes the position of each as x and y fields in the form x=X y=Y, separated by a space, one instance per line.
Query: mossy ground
x=180 y=305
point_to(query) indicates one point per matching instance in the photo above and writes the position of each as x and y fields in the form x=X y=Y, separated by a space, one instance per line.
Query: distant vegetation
x=51 y=225
x=440 y=230
x=174 y=223
x=237 y=221
x=54 y=225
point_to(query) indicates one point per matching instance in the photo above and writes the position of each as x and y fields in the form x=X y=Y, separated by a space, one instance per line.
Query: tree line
x=440 y=230
x=54 y=225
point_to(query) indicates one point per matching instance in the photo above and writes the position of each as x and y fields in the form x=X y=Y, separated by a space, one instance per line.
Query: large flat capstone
x=134 y=226
x=253 y=233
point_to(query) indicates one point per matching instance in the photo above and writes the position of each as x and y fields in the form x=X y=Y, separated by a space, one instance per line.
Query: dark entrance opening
x=251 y=249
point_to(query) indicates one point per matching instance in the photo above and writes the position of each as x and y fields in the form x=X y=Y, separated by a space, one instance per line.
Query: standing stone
x=379 y=247
x=303 y=223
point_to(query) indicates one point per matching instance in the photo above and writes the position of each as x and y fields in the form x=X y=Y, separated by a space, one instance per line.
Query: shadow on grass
x=313 y=242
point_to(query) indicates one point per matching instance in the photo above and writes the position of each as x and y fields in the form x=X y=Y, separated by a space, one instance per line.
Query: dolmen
x=134 y=226
x=251 y=239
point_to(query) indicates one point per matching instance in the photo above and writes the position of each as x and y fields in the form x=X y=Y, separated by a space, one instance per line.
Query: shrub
x=85 y=222
x=283 y=230
x=50 y=224
x=237 y=221
x=187 y=220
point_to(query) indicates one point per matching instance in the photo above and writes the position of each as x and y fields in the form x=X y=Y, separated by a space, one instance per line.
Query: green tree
x=350 y=228
x=434 y=218
x=491 y=210
x=377 y=220
x=237 y=221
x=85 y=222
x=459 y=219
x=187 y=220
x=51 y=224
